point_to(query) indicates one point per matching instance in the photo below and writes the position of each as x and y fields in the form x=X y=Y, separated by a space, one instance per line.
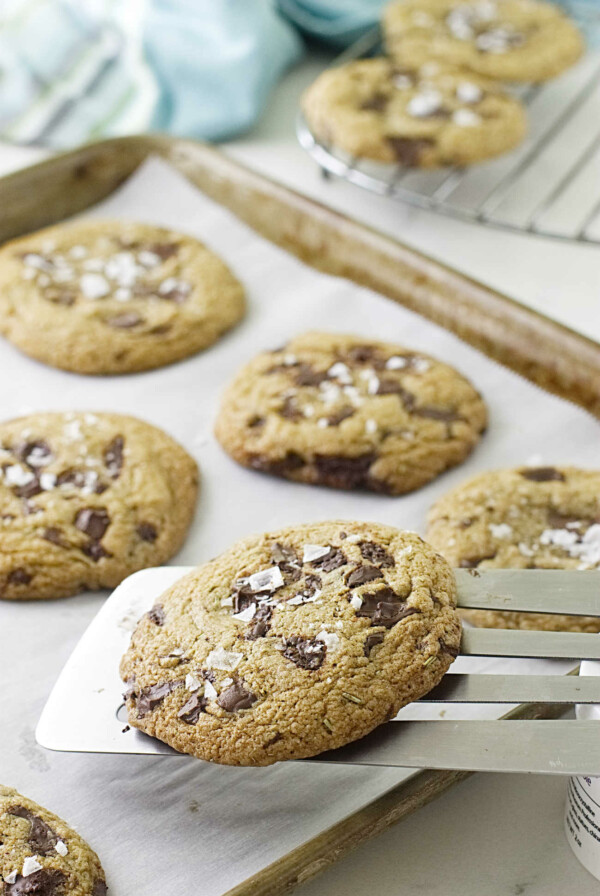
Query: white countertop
x=498 y=835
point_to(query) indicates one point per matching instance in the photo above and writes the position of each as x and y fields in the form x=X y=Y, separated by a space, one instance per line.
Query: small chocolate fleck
x=542 y=474
x=408 y=150
x=151 y=697
x=260 y=623
x=272 y=740
x=371 y=641
x=41 y=837
x=333 y=559
x=304 y=652
x=362 y=574
x=147 y=532
x=190 y=711
x=384 y=607
x=236 y=697
x=113 y=456
x=376 y=554
x=157 y=615
x=444 y=415
x=45 y=882
x=19 y=576
x=93 y=522
x=125 y=321
x=364 y=354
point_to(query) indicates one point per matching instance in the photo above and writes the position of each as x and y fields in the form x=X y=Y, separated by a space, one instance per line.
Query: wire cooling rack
x=548 y=186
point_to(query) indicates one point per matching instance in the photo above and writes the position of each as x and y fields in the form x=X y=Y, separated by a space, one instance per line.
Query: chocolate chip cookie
x=40 y=855
x=114 y=296
x=293 y=642
x=346 y=412
x=527 y=518
x=511 y=40
x=425 y=117
x=87 y=499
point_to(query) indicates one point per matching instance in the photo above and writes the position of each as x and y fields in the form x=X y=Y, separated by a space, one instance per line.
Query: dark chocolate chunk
x=344 y=472
x=147 y=532
x=190 y=711
x=260 y=623
x=288 y=562
x=340 y=416
x=157 y=615
x=333 y=559
x=99 y=888
x=113 y=456
x=236 y=697
x=93 y=522
x=243 y=596
x=376 y=554
x=126 y=320
x=408 y=150
x=45 y=882
x=283 y=467
x=305 y=375
x=375 y=103
x=371 y=641
x=95 y=550
x=151 y=697
x=304 y=652
x=19 y=576
x=542 y=474
x=30 y=489
x=34 y=454
x=384 y=607
x=41 y=837
x=362 y=574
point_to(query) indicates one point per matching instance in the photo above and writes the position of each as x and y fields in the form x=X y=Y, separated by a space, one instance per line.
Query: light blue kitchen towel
x=78 y=70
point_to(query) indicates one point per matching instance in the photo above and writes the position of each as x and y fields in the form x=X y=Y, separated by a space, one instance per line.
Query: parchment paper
x=164 y=826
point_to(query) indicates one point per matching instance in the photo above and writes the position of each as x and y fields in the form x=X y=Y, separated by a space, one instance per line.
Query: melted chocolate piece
x=304 y=652
x=19 y=576
x=147 y=532
x=34 y=454
x=99 y=888
x=151 y=697
x=333 y=559
x=376 y=554
x=407 y=150
x=344 y=472
x=361 y=575
x=283 y=467
x=157 y=615
x=473 y=562
x=41 y=838
x=384 y=607
x=190 y=711
x=45 y=882
x=542 y=474
x=340 y=416
x=113 y=456
x=260 y=623
x=93 y=522
x=236 y=697
x=372 y=641
x=126 y=320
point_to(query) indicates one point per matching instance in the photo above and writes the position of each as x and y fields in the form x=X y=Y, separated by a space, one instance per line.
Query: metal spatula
x=85 y=709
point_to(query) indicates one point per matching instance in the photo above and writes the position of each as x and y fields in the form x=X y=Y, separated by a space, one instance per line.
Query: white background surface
x=494 y=834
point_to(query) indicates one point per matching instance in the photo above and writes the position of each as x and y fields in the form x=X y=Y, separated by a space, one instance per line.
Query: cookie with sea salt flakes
x=87 y=499
x=422 y=117
x=114 y=296
x=40 y=855
x=345 y=412
x=524 y=518
x=511 y=40
x=293 y=642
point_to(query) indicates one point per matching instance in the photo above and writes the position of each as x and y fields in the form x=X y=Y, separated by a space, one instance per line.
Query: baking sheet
x=188 y=825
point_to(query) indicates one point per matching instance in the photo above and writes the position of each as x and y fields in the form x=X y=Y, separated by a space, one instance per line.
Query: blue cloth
x=72 y=71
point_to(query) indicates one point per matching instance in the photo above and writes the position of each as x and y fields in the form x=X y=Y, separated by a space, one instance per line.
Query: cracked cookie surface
x=345 y=412
x=509 y=40
x=525 y=518
x=104 y=297
x=87 y=499
x=425 y=117
x=41 y=855
x=293 y=642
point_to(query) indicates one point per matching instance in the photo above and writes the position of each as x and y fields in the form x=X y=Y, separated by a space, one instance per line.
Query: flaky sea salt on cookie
x=114 y=296
x=40 y=855
x=345 y=412
x=525 y=518
x=87 y=499
x=293 y=642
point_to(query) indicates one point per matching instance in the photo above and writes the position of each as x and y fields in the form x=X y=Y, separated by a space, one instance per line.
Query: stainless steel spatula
x=496 y=667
